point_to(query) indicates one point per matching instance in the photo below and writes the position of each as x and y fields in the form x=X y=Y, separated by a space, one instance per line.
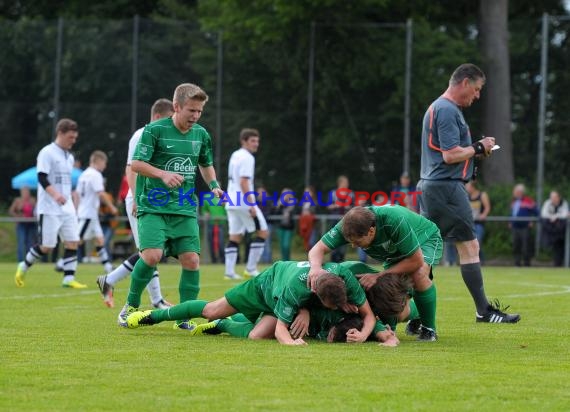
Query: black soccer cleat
x=496 y=314
x=427 y=334
x=413 y=328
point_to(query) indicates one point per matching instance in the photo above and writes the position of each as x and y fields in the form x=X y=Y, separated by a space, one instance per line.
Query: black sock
x=473 y=279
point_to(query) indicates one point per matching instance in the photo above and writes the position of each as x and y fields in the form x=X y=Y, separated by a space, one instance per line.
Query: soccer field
x=62 y=350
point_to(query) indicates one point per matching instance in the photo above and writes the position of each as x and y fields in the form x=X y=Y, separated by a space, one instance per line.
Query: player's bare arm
x=300 y=325
x=316 y=257
x=284 y=337
x=132 y=182
x=209 y=175
x=105 y=201
x=411 y=264
x=387 y=337
x=365 y=312
x=171 y=180
x=245 y=188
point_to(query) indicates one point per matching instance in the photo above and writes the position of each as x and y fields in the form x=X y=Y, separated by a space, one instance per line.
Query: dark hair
x=466 y=71
x=331 y=289
x=350 y=321
x=66 y=125
x=389 y=295
x=247 y=133
x=357 y=222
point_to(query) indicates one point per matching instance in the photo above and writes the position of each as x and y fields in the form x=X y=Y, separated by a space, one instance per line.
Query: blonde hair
x=189 y=91
x=97 y=155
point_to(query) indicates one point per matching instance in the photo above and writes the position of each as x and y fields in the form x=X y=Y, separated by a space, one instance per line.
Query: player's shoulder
x=49 y=149
x=200 y=132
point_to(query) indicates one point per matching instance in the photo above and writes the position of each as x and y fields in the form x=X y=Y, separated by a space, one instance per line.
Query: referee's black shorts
x=446 y=203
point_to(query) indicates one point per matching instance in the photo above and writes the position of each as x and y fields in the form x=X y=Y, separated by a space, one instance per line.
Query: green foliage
x=62 y=350
x=359 y=79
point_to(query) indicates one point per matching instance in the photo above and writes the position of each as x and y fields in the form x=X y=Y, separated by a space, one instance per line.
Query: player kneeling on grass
x=280 y=290
x=405 y=241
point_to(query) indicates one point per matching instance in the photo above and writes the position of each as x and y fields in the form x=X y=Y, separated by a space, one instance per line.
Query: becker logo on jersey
x=181 y=166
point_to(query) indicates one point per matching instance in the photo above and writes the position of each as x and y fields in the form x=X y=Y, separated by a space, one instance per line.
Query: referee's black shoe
x=496 y=314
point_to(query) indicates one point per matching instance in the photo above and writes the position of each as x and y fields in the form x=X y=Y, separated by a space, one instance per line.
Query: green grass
x=62 y=350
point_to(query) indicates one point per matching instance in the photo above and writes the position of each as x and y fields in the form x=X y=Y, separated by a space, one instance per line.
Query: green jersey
x=163 y=146
x=284 y=288
x=399 y=233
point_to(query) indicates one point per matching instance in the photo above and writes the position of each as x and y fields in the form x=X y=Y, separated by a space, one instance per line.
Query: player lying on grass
x=327 y=325
x=280 y=290
x=405 y=241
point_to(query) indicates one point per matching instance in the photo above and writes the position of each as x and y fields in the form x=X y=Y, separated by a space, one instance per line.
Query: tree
x=494 y=33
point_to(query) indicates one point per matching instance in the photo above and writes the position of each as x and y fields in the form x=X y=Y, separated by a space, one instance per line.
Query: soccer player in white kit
x=160 y=109
x=55 y=209
x=243 y=213
x=90 y=188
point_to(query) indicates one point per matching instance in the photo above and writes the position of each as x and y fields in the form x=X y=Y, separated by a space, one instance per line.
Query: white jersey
x=132 y=146
x=57 y=164
x=242 y=164
x=89 y=186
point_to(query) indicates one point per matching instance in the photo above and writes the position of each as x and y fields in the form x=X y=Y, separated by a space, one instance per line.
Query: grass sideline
x=62 y=350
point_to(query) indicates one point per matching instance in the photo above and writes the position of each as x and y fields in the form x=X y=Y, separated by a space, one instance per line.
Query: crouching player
x=280 y=290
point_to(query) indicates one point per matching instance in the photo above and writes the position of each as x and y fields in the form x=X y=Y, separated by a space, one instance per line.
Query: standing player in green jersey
x=167 y=157
x=405 y=241
x=277 y=292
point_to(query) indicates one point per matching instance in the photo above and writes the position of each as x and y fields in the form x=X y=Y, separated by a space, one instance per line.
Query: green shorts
x=175 y=234
x=432 y=249
x=247 y=299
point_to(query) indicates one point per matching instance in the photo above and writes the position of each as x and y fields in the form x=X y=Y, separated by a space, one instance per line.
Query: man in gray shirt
x=446 y=164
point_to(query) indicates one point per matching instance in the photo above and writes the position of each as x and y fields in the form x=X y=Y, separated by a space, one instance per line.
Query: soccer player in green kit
x=277 y=292
x=405 y=241
x=166 y=159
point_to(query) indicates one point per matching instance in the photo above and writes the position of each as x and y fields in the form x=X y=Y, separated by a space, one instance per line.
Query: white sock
x=153 y=289
x=231 y=252
x=255 y=252
x=123 y=270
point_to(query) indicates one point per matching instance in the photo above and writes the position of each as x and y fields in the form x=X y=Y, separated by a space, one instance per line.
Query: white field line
x=561 y=290
x=96 y=291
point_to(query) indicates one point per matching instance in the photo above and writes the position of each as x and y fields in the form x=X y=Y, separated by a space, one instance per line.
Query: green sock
x=182 y=311
x=239 y=317
x=414 y=314
x=426 y=303
x=239 y=329
x=142 y=274
x=189 y=285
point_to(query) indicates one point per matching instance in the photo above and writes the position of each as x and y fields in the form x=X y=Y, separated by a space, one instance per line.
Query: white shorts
x=240 y=221
x=132 y=220
x=50 y=226
x=90 y=229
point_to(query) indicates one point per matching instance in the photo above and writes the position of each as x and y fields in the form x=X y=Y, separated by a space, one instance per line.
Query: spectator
x=480 y=207
x=307 y=229
x=403 y=190
x=216 y=220
x=342 y=199
x=26 y=232
x=554 y=215
x=522 y=206
x=266 y=205
x=285 y=209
